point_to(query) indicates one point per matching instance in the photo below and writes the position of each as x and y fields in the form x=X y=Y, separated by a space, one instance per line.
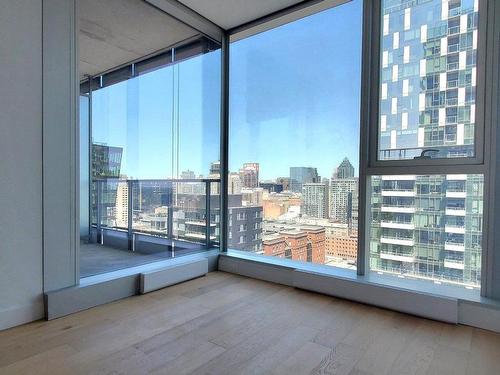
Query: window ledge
x=410 y=285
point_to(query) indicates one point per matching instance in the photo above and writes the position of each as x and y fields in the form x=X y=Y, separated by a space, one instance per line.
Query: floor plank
x=228 y=324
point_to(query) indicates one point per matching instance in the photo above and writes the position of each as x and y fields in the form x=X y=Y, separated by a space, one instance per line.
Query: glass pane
x=294 y=139
x=111 y=203
x=428 y=227
x=154 y=85
x=427 y=79
x=152 y=207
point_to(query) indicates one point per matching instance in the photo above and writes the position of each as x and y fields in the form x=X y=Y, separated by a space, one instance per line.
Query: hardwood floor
x=227 y=324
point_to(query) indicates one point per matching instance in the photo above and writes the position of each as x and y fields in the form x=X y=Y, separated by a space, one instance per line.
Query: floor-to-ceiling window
x=294 y=185
x=294 y=139
x=154 y=137
x=428 y=226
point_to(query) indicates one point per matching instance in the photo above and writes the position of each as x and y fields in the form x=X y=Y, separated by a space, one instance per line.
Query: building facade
x=249 y=175
x=306 y=244
x=344 y=200
x=315 y=200
x=344 y=170
x=428 y=226
x=302 y=175
x=428 y=78
x=244 y=225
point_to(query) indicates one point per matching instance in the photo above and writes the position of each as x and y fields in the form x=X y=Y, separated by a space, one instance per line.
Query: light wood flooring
x=227 y=324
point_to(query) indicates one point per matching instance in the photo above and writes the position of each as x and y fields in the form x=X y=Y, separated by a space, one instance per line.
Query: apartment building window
x=438 y=83
x=426 y=173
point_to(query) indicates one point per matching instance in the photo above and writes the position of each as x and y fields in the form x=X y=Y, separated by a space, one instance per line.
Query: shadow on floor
x=97 y=259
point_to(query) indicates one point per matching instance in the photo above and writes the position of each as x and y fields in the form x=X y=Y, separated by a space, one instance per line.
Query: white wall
x=60 y=147
x=20 y=161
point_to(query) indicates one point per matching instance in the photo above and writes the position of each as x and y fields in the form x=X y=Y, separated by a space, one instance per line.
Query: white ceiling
x=115 y=32
x=231 y=13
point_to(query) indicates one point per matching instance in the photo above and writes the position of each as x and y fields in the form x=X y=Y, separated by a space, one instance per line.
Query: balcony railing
x=171 y=209
x=395 y=240
x=397 y=224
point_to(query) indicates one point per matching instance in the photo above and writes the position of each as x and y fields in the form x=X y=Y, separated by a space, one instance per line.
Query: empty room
x=235 y=187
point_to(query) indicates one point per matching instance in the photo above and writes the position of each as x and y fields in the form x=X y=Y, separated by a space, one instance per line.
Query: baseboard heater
x=174 y=274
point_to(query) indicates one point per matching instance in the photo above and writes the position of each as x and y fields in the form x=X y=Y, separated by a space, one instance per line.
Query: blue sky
x=295 y=94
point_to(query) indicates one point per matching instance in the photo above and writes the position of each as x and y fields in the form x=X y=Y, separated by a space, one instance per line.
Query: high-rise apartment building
x=344 y=194
x=249 y=175
x=302 y=175
x=106 y=161
x=428 y=78
x=428 y=226
x=121 y=207
x=315 y=200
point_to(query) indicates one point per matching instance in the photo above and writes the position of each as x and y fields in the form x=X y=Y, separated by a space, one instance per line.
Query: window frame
x=479 y=128
x=370 y=165
x=483 y=162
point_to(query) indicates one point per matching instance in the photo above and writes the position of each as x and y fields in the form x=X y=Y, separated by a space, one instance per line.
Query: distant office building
x=106 y=161
x=274 y=208
x=271 y=187
x=249 y=175
x=106 y=165
x=234 y=183
x=284 y=182
x=315 y=200
x=215 y=168
x=302 y=175
x=344 y=170
x=277 y=204
x=188 y=175
x=343 y=200
x=344 y=194
x=252 y=197
x=121 y=206
x=189 y=187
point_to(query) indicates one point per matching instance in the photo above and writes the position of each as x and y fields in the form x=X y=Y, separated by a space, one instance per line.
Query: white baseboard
x=426 y=305
x=161 y=278
x=480 y=315
x=21 y=315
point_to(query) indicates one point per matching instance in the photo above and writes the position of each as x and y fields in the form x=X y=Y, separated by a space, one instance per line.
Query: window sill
x=391 y=281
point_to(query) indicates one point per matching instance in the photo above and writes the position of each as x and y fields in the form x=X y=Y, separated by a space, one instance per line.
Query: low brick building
x=305 y=244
